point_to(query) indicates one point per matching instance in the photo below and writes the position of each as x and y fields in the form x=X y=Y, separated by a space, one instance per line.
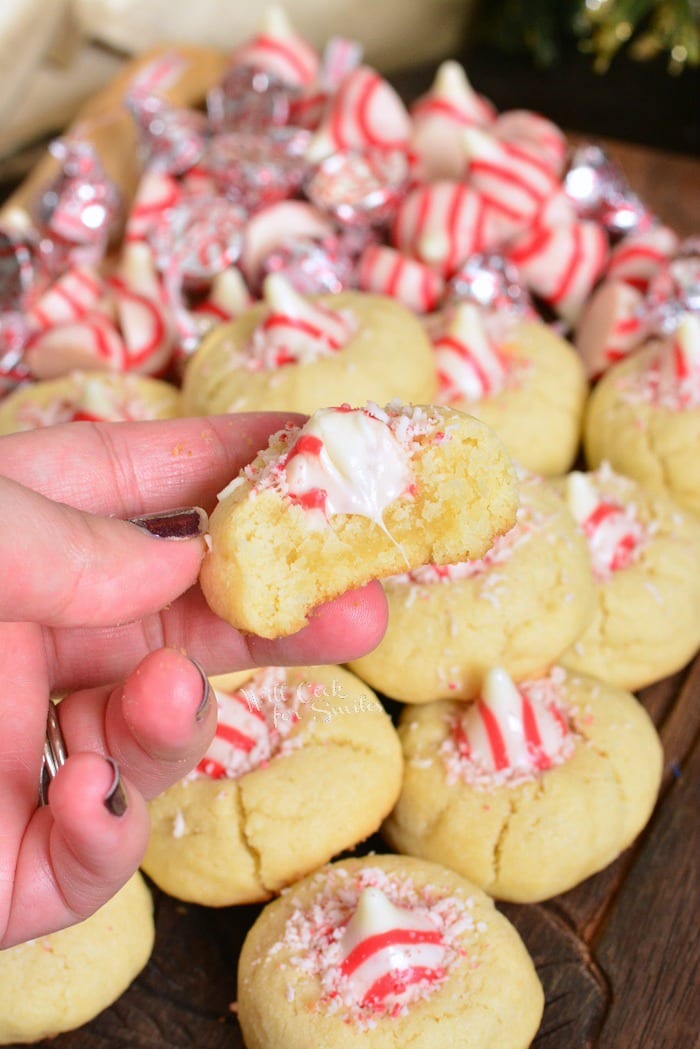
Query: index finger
x=130 y=468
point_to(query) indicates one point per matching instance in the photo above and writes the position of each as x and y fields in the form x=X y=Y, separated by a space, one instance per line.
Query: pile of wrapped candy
x=313 y=167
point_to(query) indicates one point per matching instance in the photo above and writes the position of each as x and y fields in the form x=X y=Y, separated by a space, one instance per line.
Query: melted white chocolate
x=353 y=459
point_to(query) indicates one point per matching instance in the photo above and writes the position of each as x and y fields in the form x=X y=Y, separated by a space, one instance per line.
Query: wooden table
x=617 y=955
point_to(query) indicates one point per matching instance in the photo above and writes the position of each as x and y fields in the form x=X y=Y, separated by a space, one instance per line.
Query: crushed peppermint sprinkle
x=179 y=825
x=348 y=480
x=254 y=725
x=528 y=521
x=489 y=748
x=363 y=977
x=671 y=378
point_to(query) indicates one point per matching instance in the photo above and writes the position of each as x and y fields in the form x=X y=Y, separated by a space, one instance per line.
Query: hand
x=99 y=610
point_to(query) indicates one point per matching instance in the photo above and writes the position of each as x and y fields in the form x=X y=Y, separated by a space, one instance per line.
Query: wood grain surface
x=617 y=955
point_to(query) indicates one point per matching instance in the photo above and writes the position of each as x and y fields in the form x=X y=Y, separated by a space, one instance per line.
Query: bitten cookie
x=305 y=763
x=354 y=494
x=58 y=982
x=644 y=416
x=296 y=353
x=386 y=952
x=645 y=555
x=520 y=605
x=519 y=377
x=531 y=789
x=104 y=396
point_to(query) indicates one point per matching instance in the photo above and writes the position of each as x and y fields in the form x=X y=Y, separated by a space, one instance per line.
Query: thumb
x=62 y=567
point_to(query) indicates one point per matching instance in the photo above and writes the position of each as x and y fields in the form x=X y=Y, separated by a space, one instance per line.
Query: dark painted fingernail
x=186 y=523
x=116 y=801
x=201 y=710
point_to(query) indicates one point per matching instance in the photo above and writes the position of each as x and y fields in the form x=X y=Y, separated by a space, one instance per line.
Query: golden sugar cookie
x=520 y=378
x=352 y=495
x=386 y=952
x=531 y=789
x=520 y=605
x=644 y=416
x=645 y=555
x=296 y=353
x=305 y=763
x=103 y=396
x=59 y=982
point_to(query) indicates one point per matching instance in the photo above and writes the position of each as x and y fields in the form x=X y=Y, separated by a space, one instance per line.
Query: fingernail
x=115 y=800
x=201 y=710
x=186 y=523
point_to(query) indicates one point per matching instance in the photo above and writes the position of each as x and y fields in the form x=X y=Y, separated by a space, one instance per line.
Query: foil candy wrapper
x=249 y=99
x=360 y=188
x=493 y=283
x=81 y=207
x=313 y=267
x=599 y=191
x=201 y=235
x=193 y=242
x=254 y=169
x=675 y=290
x=171 y=140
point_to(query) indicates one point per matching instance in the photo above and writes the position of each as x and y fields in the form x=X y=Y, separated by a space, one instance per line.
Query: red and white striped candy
x=279 y=50
x=510 y=179
x=534 y=134
x=469 y=366
x=307 y=105
x=557 y=210
x=275 y=224
x=679 y=366
x=91 y=343
x=385 y=271
x=613 y=323
x=243 y=738
x=509 y=731
x=341 y=56
x=82 y=206
x=387 y=950
x=561 y=264
x=157 y=192
x=366 y=112
x=296 y=329
x=141 y=314
x=614 y=533
x=501 y=228
x=228 y=296
x=639 y=256
x=448 y=107
x=441 y=224
x=71 y=296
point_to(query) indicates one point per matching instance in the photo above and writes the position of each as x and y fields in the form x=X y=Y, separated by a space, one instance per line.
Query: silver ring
x=55 y=753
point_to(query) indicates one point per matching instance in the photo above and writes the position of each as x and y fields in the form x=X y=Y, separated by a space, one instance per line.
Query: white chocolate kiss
x=613 y=532
x=295 y=329
x=386 y=949
x=353 y=458
x=468 y=364
x=509 y=730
